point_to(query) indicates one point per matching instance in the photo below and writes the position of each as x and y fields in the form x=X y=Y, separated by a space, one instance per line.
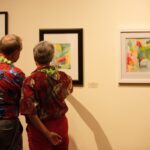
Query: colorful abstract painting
x=62 y=55
x=137 y=54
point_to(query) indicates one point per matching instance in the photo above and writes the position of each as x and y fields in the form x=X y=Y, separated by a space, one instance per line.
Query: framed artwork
x=135 y=57
x=68 y=55
x=3 y=23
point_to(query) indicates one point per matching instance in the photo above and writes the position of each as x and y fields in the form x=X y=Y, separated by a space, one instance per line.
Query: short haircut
x=9 y=43
x=43 y=52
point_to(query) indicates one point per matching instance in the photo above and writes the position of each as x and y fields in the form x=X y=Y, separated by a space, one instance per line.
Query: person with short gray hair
x=43 y=52
x=43 y=102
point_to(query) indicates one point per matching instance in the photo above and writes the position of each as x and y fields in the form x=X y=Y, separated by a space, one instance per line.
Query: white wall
x=109 y=116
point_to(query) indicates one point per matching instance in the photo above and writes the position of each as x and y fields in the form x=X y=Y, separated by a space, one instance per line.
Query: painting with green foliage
x=137 y=54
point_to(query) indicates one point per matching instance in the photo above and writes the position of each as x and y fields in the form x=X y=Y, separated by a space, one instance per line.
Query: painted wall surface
x=102 y=115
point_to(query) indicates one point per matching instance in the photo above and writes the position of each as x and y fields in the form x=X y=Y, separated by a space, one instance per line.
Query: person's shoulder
x=35 y=75
x=28 y=79
x=19 y=71
x=64 y=75
x=62 y=72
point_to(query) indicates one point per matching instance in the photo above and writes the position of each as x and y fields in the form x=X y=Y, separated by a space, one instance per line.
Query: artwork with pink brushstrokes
x=62 y=55
x=137 y=54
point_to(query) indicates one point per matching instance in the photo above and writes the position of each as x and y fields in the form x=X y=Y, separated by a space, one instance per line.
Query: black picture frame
x=73 y=36
x=3 y=23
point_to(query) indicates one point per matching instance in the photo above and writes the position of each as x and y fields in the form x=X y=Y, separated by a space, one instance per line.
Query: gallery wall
x=103 y=115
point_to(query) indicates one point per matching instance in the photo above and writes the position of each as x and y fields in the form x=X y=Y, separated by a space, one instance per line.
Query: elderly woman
x=43 y=102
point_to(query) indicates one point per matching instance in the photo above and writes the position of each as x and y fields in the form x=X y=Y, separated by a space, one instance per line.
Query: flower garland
x=5 y=60
x=49 y=71
x=52 y=71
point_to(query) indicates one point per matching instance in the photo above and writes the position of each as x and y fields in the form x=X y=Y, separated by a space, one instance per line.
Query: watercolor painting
x=135 y=57
x=138 y=55
x=62 y=55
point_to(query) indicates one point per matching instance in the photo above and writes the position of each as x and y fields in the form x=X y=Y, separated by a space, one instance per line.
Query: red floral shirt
x=11 y=79
x=44 y=92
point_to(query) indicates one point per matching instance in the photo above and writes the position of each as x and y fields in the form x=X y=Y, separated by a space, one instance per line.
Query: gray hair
x=9 y=43
x=43 y=52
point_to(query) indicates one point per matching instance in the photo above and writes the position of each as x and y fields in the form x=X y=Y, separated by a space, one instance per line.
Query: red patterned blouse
x=44 y=92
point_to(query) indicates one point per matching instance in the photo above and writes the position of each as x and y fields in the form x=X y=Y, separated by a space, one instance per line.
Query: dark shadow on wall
x=100 y=137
